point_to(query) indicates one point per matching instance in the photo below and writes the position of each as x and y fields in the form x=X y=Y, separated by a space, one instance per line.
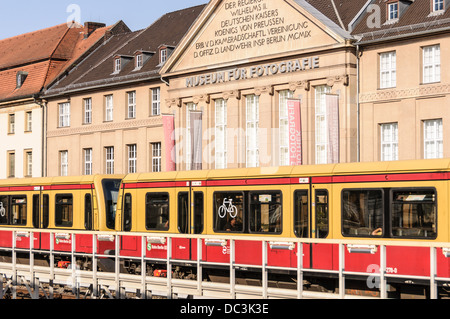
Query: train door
x=40 y=216
x=190 y=205
x=321 y=254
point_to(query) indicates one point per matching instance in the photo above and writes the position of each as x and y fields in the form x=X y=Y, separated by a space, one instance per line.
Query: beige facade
x=88 y=143
x=239 y=54
x=416 y=104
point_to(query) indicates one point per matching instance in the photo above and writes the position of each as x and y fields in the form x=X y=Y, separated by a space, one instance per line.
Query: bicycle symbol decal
x=2 y=210
x=230 y=209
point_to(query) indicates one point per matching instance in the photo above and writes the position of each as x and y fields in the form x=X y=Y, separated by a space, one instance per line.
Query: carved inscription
x=249 y=24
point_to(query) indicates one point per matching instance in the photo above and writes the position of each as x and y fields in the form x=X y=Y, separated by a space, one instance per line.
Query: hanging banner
x=332 y=102
x=196 y=140
x=295 y=132
x=169 y=138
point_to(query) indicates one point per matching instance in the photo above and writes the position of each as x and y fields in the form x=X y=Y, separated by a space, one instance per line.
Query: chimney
x=90 y=27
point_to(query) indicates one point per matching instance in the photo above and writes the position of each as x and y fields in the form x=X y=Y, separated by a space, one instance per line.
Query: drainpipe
x=43 y=105
x=358 y=127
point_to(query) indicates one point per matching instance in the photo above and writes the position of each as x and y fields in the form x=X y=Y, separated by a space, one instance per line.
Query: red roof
x=43 y=55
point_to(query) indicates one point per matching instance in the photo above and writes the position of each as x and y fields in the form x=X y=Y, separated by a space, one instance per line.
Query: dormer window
x=20 y=78
x=437 y=5
x=393 y=11
x=163 y=55
x=139 y=61
x=117 y=65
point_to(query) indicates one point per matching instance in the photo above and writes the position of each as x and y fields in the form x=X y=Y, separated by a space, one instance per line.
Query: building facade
x=239 y=66
x=404 y=85
x=106 y=116
x=29 y=63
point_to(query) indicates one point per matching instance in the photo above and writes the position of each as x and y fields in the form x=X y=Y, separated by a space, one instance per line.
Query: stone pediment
x=230 y=32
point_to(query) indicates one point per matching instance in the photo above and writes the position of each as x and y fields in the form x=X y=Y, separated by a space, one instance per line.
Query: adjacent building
x=106 y=115
x=29 y=63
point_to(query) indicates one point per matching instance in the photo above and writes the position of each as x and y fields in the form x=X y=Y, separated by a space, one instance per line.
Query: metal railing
x=40 y=281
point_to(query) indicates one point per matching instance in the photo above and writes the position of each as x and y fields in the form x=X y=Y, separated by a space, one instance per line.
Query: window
x=88 y=217
x=19 y=210
x=252 y=128
x=13 y=210
x=389 y=142
x=432 y=64
x=131 y=105
x=265 y=214
x=63 y=210
x=139 y=61
x=284 y=126
x=109 y=156
x=393 y=11
x=438 y=5
x=157 y=211
x=221 y=134
x=117 y=65
x=183 y=212
x=87 y=111
x=321 y=122
x=156 y=157
x=301 y=215
x=11 y=164
x=198 y=212
x=163 y=56
x=189 y=107
x=132 y=158
x=433 y=139
x=28 y=121
x=28 y=164
x=127 y=212
x=111 y=191
x=64 y=114
x=20 y=79
x=156 y=104
x=229 y=211
x=388 y=70
x=109 y=108
x=362 y=212
x=87 y=157
x=11 y=123
x=414 y=213
x=322 y=224
x=63 y=163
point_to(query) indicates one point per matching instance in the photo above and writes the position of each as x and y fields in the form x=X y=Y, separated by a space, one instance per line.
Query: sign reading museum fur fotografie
x=249 y=24
x=253 y=72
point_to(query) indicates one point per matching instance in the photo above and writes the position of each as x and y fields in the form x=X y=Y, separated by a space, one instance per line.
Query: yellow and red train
x=389 y=201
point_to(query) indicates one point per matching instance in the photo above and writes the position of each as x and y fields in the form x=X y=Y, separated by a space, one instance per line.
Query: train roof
x=59 y=180
x=303 y=170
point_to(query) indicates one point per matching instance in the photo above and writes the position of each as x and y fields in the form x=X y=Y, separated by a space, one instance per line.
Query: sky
x=23 y=16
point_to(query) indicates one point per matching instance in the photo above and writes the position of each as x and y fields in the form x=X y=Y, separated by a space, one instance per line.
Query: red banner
x=295 y=132
x=169 y=138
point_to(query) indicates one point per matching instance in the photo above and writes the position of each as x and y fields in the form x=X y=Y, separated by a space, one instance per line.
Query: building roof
x=416 y=17
x=97 y=70
x=43 y=55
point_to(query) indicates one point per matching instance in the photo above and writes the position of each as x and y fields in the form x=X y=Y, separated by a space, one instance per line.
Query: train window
x=183 y=212
x=229 y=211
x=265 y=213
x=157 y=211
x=301 y=220
x=64 y=210
x=322 y=224
x=45 y=210
x=88 y=212
x=414 y=213
x=127 y=209
x=198 y=212
x=36 y=212
x=19 y=210
x=111 y=191
x=4 y=210
x=362 y=212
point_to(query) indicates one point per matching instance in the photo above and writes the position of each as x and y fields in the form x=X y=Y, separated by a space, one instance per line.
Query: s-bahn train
x=389 y=201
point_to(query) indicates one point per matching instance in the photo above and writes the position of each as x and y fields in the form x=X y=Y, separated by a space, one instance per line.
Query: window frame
x=435 y=64
x=64 y=114
x=327 y=211
x=244 y=212
x=71 y=214
x=249 y=210
x=389 y=68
